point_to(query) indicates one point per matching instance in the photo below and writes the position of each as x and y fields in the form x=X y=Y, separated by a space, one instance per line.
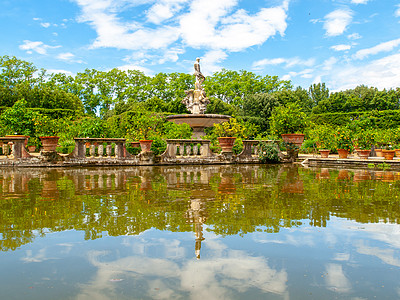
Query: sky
x=343 y=43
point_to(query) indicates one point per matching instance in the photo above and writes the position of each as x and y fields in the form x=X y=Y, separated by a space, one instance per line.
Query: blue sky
x=343 y=43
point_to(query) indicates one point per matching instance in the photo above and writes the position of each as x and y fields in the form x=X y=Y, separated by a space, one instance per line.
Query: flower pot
x=135 y=144
x=294 y=138
x=226 y=143
x=145 y=145
x=49 y=143
x=343 y=153
x=31 y=148
x=343 y=174
x=363 y=154
x=379 y=152
x=388 y=154
x=397 y=152
x=324 y=153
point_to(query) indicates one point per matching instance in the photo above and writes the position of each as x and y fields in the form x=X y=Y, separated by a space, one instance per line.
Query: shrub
x=268 y=152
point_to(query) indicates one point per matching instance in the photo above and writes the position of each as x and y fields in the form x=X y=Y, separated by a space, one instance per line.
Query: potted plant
x=343 y=141
x=388 y=137
x=322 y=136
x=289 y=123
x=365 y=140
x=227 y=132
x=144 y=127
x=46 y=129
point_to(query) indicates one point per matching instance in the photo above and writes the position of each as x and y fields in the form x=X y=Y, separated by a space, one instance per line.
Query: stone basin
x=198 y=121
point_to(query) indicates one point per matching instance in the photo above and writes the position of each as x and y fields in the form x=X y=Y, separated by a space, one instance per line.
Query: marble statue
x=196 y=100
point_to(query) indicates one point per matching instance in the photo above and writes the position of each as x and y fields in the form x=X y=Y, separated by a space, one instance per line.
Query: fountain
x=196 y=102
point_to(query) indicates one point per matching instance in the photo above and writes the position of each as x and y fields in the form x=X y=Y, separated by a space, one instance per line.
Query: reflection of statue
x=196 y=100
x=196 y=215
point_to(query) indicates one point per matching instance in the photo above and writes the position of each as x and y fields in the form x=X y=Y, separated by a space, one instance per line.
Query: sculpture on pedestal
x=196 y=100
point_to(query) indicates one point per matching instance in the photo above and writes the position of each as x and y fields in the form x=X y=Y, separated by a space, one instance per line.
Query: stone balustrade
x=99 y=148
x=251 y=148
x=187 y=148
x=16 y=145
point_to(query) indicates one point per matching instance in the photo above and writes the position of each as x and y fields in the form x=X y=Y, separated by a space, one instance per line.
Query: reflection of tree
x=98 y=201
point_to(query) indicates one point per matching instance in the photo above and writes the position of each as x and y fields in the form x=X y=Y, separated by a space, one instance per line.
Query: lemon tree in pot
x=46 y=129
x=289 y=122
x=227 y=132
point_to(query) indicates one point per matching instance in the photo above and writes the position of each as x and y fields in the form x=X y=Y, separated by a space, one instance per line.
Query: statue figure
x=196 y=100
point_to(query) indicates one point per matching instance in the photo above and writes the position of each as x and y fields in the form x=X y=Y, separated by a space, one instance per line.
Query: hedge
x=375 y=119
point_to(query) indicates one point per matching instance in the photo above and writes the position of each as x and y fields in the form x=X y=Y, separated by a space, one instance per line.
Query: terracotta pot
x=343 y=153
x=379 y=152
x=226 y=143
x=294 y=138
x=49 y=143
x=324 y=153
x=31 y=148
x=388 y=176
x=388 y=154
x=145 y=145
x=135 y=144
x=397 y=152
x=363 y=154
x=324 y=174
x=343 y=174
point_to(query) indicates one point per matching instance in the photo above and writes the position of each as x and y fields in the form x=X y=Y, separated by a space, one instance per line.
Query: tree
x=232 y=86
x=258 y=109
x=318 y=92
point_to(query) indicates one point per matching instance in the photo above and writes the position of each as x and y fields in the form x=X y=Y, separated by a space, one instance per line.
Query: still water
x=199 y=232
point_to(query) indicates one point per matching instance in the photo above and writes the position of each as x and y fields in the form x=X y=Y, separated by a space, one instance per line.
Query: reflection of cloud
x=386 y=255
x=39 y=257
x=227 y=273
x=336 y=280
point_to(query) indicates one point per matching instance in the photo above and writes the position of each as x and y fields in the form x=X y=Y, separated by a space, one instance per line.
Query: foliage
x=18 y=119
x=365 y=119
x=233 y=87
x=91 y=127
x=343 y=138
x=231 y=128
x=364 y=139
x=268 y=152
x=288 y=119
x=322 y=136
x=258 y=109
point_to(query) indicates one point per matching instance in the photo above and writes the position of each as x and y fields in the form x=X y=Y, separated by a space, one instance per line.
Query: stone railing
x=16 y=145
x=251 y=148
x=99 y=148
x=181 y=148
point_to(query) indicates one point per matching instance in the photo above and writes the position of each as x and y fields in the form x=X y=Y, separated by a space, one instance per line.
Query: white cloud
x=381 y=73
x=65 y=56
x=38 y=47
x=341 y=47
x=397 y=11
x=146 y=71
x=210 y=61
x=359 y=1
x=45 y=24
x=289 y=62
x=209 y=24
x=204 y=24
x=337 y=21
x=164 y=10
x=354 y=36
x=383 y=47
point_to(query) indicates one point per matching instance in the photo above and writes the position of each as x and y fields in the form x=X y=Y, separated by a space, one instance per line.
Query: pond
x=199 y=232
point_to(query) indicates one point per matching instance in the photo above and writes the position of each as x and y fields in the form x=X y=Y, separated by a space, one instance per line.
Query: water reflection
x=228 y=199
x=275 y=232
